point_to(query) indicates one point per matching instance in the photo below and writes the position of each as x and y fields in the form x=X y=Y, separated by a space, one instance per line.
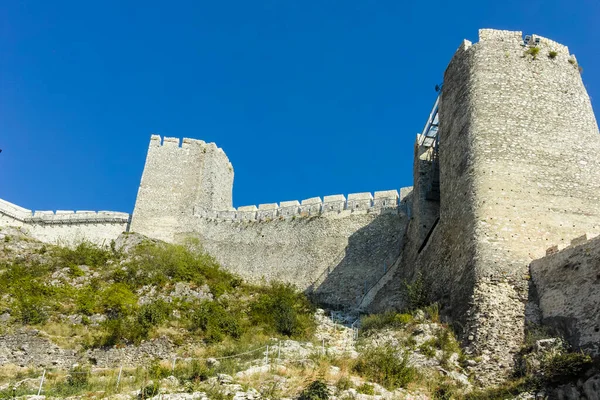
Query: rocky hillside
x=143 y=319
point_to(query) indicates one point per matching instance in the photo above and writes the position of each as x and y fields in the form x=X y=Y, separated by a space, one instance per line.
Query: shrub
x=533 y=52
x=565 y=367
x=118 y=301
x=433 y=312
x=149 y=316
x=317 y=390
x=416 y=295
x=282 y=309
x=86 y=301
x=428 y=348
x=344 y=383
x=149 y=390
x=30 y=310
x=115 y=331
x=382 y=365
x=445 y=390
x=157 y=264
x=552 y=54
x=79 y=377
x=367 y=389
x=215 y=322
x=196 y=371
x=85 y=253
x=153 y=314
x=158 y=371
x=506 y=390
x=449 y=345
x=388 y=319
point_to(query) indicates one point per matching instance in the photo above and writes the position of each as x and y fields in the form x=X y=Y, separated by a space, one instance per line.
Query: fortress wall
x=319 y=246
x=215 y=191
x=566 y=284
x=336 y=204
x=332 y=256
x=176 y=179
x=332 y=247
x=519 y=171
x=65 y=227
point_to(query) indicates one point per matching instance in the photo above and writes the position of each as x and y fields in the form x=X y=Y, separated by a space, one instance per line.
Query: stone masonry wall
x=334 y=256
x=177 y=179
x=65 y=227
x=423 y=216
x=567 y=284
x=334 y=248
x=519 y=149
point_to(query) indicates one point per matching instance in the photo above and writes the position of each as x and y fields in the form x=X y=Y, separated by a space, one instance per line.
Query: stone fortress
x=506 y=175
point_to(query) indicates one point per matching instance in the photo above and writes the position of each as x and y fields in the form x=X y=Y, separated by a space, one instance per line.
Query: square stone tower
x=176 y=181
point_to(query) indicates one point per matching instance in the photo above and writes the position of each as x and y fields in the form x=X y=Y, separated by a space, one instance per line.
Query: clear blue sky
x=307 y=98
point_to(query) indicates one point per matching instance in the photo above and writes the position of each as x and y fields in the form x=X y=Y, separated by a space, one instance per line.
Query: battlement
x=517 y=39
x=185 y=143
x=26 y=216
x=383 y=201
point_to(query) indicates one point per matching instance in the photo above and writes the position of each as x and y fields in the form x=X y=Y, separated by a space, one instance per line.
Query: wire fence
x=115 y=380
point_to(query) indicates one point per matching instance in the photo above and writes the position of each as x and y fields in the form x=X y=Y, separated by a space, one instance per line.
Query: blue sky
x=307 y=98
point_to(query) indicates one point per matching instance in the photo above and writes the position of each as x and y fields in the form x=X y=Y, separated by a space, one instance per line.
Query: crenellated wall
x=65 y=227
x=321 y=246
x=179 y=176
x=332 y=247
x=356 y=203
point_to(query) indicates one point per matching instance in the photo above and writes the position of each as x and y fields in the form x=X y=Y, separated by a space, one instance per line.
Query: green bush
x=533 y=52
x=344 y=383
x=85 y=253
x=507 y=390
x=149 y=390
x=30 y=310
x=157 y=371
x=552 y=54
x=115 y=332
x=78 y=377
x=153 y=314
x=415 y=293
x=317 y=390
x=118 y=300
x=382 y=365
x=158 y=264
x=565 y=367
x=388 y=319
x=445 y=390
x=428 y=348
x=196 y=371
x=86 y=301
x=215 y=321
x=367 y=389
x=283 y=310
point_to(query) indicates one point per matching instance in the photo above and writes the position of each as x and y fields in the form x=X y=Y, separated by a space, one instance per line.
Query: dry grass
x=66 y=335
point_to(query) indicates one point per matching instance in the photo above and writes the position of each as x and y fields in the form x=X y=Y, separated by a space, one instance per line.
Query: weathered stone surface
x=28 y=348
x=504 y=201
x=567 y=285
